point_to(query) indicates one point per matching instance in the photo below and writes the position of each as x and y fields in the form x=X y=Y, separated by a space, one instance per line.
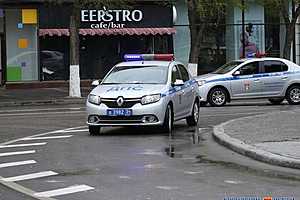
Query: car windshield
x=227 y=67
x=137 y=75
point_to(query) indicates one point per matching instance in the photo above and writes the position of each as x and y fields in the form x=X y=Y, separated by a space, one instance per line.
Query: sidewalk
x=39 y=96
x=273 y=138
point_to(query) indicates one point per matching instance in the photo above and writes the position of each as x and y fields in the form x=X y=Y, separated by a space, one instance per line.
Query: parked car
x=272 y=78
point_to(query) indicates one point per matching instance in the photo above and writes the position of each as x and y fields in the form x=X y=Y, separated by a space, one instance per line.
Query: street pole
x=243 y=28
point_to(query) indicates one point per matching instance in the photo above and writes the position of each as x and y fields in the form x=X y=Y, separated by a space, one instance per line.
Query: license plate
x=119 y=112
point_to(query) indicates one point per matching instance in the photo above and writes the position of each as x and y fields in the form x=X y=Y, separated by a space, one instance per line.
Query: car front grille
x=112 y=103
x=120 y=119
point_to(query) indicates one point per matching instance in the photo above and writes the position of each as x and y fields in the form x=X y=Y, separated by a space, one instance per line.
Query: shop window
x=163 y=44
x=54 y=58
x=21 y=43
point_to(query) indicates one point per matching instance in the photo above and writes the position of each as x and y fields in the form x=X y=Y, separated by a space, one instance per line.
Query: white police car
x=273 y=78
x=147 y=89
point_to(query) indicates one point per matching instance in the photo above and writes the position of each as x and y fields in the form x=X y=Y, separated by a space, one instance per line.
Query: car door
x=188 y=91
x=178 y=93
x=247 y=84
x=274 y=77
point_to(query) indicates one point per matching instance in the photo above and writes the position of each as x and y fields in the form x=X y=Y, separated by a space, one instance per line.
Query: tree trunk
x=74 y=41
x=195 y=32
x=289 y=39
x=74 y=83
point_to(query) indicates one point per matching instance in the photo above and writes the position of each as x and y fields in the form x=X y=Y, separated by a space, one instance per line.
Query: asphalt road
x=133 y=163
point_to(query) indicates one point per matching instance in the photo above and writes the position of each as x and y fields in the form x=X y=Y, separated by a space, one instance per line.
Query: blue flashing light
x=133 y=57
x=143 y=57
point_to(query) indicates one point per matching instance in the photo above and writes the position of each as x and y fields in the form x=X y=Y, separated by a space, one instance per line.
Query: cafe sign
x=110 y=19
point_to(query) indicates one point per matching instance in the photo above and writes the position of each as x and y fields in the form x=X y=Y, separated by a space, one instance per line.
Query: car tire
x=94 y=130
x=276 y=101
x=293 y=95
x=194 y=118
x=217 y=97
x=168 y=121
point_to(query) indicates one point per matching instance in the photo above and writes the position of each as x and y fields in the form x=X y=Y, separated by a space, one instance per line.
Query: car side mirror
x=95 y=83
x=236 y=73
x=178 y=82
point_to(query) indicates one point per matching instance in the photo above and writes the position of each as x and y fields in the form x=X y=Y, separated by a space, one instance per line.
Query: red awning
x=122 y=31
x=54 y=32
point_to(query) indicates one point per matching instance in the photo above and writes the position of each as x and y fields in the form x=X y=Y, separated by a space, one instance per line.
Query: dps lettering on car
x=118 y=88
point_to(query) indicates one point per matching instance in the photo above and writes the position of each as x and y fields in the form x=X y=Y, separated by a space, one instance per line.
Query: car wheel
x=194 y=118
x=217 y=97
x=94 y=130
x=168 y=121
x=293 y=95
x=276 y=101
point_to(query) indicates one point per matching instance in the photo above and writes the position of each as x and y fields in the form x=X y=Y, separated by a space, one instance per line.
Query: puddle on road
x=179 y=142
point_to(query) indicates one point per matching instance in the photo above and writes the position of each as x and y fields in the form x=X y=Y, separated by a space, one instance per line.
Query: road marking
x=63 y=191
x=12 y=164
x=23 y=145
x=42 y=109
x=42 y=113
x=30 y=176
x=18 y=187
x=47 y=138
x=16 y=153
x=167 y=187
x=74 y=131
x=233 y=182
x=193 y=173
x=124 y=177
x=232 y=114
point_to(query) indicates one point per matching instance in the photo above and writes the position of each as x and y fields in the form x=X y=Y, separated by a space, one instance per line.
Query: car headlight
x=150 y=99
x=94 y=99
x=200 y=83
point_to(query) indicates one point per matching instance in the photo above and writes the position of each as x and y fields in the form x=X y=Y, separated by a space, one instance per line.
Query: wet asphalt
x=141 y=163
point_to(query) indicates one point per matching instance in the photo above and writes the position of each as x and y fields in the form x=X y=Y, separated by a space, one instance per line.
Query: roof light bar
x=143 y=57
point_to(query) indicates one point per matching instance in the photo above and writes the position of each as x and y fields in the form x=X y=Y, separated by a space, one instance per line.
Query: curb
x=64 y=101
x=251 y=151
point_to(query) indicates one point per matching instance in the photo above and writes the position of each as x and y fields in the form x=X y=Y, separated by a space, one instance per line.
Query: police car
x=272 y=78
x=145 y=90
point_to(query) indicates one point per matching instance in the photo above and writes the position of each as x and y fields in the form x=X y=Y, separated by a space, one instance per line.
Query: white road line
x=232 y=114
x=47 y=138
x=41 y=113
x=63 y=191
x=23 y=145
x=74 y=131
x=30 y=176
x=16 y=153
x=12 y=164
x=35 y=110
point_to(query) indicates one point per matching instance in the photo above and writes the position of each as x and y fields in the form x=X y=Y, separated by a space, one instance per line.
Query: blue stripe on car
x=173 y=90
x=251 y=76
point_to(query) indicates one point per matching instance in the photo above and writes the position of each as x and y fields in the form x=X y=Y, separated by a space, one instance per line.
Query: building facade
x=35 y=38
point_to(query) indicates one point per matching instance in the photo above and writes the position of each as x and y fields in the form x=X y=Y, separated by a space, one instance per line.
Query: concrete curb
x=63 y=101
x=251 y=151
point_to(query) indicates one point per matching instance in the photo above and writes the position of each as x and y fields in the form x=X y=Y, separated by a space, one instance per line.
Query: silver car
x=145 y=93
x=272 y=78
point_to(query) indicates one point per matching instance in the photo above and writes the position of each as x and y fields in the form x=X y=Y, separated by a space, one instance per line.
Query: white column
x=74 y=85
